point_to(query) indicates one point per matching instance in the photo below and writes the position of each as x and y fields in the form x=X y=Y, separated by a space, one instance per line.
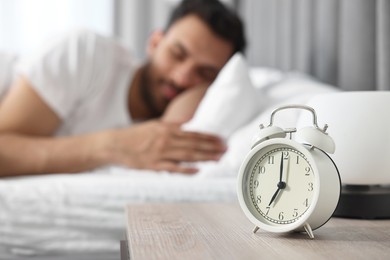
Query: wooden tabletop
x=221 y=231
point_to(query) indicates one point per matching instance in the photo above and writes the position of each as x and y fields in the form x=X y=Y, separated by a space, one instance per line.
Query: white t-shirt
x=7 y=64
x=85 y=79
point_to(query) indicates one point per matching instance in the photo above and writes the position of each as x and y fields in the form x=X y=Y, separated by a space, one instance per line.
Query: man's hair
x=221 y=20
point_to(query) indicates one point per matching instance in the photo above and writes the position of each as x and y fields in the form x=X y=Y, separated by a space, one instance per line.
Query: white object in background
x=360 y=127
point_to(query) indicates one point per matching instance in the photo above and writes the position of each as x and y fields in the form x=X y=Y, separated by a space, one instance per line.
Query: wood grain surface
x=221 y=231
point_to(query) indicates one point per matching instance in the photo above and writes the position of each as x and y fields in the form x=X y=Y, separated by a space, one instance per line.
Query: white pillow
x=230 y=102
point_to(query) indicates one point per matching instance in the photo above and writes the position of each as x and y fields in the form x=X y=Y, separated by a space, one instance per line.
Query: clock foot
x=255 y=229
x=308 y=230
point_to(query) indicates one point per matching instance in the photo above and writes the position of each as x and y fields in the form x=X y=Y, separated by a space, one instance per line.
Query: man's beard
x=146 y=89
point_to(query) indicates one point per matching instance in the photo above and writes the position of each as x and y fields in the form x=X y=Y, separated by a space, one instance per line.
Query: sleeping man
x=83 y=102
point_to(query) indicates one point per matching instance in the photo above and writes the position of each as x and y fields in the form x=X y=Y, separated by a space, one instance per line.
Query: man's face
x=189 y=54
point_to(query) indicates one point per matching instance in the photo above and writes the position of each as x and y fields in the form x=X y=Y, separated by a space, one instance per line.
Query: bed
x=69 y=216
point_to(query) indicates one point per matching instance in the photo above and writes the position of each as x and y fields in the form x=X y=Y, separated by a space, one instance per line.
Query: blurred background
x=345 y=43
x=26 y=24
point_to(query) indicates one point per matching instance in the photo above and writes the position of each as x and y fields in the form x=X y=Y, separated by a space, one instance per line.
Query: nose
x=184 y=75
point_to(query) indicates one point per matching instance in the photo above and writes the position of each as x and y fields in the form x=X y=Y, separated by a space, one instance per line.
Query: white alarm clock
x=289 y=184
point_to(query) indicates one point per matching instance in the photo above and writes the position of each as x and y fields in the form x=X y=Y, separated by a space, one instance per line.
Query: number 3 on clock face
x=280 y=184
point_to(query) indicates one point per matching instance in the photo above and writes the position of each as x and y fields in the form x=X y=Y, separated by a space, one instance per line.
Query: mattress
x=71 y=213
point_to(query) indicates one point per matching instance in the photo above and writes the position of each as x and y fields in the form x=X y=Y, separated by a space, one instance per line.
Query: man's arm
x=23 y=111
x=184 y=106
x=28 y=155
x=26 y=126
x=27 y=145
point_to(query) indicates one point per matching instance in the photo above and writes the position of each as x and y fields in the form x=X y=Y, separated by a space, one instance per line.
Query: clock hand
x=274 y=196
x=281 y=184
x=281 y=169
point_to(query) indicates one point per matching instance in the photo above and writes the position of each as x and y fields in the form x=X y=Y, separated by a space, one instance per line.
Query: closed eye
x=178 y=53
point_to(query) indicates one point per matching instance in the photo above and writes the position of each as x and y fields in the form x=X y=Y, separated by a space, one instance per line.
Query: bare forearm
x=27 y=155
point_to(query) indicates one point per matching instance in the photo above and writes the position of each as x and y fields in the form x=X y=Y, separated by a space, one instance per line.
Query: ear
x=154 y=40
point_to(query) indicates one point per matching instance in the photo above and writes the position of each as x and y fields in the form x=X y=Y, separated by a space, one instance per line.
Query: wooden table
x=221 y=231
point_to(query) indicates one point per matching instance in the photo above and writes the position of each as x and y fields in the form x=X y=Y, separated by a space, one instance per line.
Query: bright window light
x=27 y=24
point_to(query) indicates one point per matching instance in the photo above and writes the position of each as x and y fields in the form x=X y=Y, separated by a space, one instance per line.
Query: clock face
x=278 y=184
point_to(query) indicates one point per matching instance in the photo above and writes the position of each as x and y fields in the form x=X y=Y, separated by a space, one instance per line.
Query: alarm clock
x=288 y=182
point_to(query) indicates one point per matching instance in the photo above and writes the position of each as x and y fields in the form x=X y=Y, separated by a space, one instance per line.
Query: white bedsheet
x=85 y=212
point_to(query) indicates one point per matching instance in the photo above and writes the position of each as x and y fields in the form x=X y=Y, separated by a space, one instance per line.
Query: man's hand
x=157 y=145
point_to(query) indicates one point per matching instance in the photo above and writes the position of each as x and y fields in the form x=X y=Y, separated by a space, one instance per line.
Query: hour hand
x=274 y=197
x=281 y=186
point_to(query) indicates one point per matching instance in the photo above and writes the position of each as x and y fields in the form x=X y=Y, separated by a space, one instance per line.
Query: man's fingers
x=190 y=155
x=198 y=141
x=175 y=167
x=192 y=147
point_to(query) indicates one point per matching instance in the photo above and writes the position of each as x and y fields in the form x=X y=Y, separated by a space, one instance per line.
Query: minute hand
x=281 y=185
x=281 y=168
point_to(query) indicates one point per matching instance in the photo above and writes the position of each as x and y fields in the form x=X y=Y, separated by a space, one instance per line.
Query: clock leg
x=255 y=229
x=308 y=230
